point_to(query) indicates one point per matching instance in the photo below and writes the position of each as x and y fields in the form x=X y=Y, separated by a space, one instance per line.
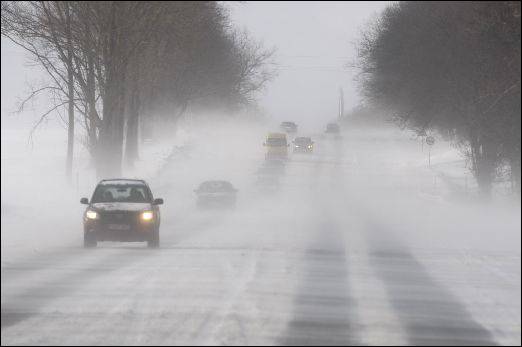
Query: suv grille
x=117 y=217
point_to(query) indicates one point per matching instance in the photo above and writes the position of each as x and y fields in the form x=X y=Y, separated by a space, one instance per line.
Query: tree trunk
x=111 y=134
x=110 y=149
x=91 y=104
x=131 y=144
x=484 y=158
x=70 y=96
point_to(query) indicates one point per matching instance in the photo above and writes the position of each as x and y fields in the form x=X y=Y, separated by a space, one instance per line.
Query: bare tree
x=32 y=25
x=452 y=66
x=114 y=63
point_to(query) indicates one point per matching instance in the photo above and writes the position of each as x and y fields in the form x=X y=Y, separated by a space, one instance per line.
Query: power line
x=314 y=56
x=313 y=67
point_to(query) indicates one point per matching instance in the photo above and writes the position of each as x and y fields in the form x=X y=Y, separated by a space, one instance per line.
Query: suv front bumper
x=120 y=232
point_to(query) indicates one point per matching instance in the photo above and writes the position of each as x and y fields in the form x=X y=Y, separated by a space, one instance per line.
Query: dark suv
x=303 y=145
x=289 y=127
x=121 y=210
x=333 y=128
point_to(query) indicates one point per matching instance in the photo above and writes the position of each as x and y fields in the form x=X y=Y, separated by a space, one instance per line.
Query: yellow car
x=276 y=146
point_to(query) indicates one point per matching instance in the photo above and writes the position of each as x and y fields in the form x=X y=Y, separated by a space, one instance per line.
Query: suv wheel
x=89 y=240
x=154 y=242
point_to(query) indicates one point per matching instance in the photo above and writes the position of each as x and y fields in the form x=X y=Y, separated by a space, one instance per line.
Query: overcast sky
x=313 y=41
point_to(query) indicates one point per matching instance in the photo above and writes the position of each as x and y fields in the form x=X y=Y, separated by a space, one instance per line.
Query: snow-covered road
x=350 y=251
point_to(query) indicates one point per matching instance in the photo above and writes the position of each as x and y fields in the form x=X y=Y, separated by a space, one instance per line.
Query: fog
x=360 y=241
x=311 y=63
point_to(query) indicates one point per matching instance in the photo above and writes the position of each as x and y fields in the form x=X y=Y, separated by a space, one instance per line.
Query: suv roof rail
x=123 y=179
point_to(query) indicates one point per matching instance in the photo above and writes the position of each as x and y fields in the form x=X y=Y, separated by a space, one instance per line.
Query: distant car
x=333 y=128
x=303 y=145
x=276 y=146
x=289 y=127
x=216 y=194
x=121 y=210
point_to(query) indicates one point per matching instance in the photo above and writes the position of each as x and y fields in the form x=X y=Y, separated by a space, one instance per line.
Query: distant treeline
x=113 y=62
x=452 y=67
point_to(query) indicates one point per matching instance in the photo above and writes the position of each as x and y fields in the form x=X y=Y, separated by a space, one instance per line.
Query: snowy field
x=363 y=244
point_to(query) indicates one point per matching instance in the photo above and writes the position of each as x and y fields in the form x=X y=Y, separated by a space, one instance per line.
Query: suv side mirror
x=84 y=201
x=158 y=201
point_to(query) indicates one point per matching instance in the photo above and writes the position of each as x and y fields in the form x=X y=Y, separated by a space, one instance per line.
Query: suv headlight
x=90 y=214
x=147 y=215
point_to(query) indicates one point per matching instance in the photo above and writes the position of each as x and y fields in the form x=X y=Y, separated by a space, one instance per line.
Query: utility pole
x=430 y=140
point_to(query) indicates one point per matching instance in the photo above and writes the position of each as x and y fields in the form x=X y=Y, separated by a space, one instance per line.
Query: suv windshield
x=276 y=141
x=121 y=193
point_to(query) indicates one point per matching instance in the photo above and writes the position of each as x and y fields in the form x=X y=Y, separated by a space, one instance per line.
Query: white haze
x=314 y=43
x=363 y=243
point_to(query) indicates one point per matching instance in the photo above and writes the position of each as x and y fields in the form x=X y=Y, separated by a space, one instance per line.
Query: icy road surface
x=359 y=246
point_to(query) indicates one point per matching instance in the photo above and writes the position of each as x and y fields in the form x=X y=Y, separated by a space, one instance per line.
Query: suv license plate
x=118 y=226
